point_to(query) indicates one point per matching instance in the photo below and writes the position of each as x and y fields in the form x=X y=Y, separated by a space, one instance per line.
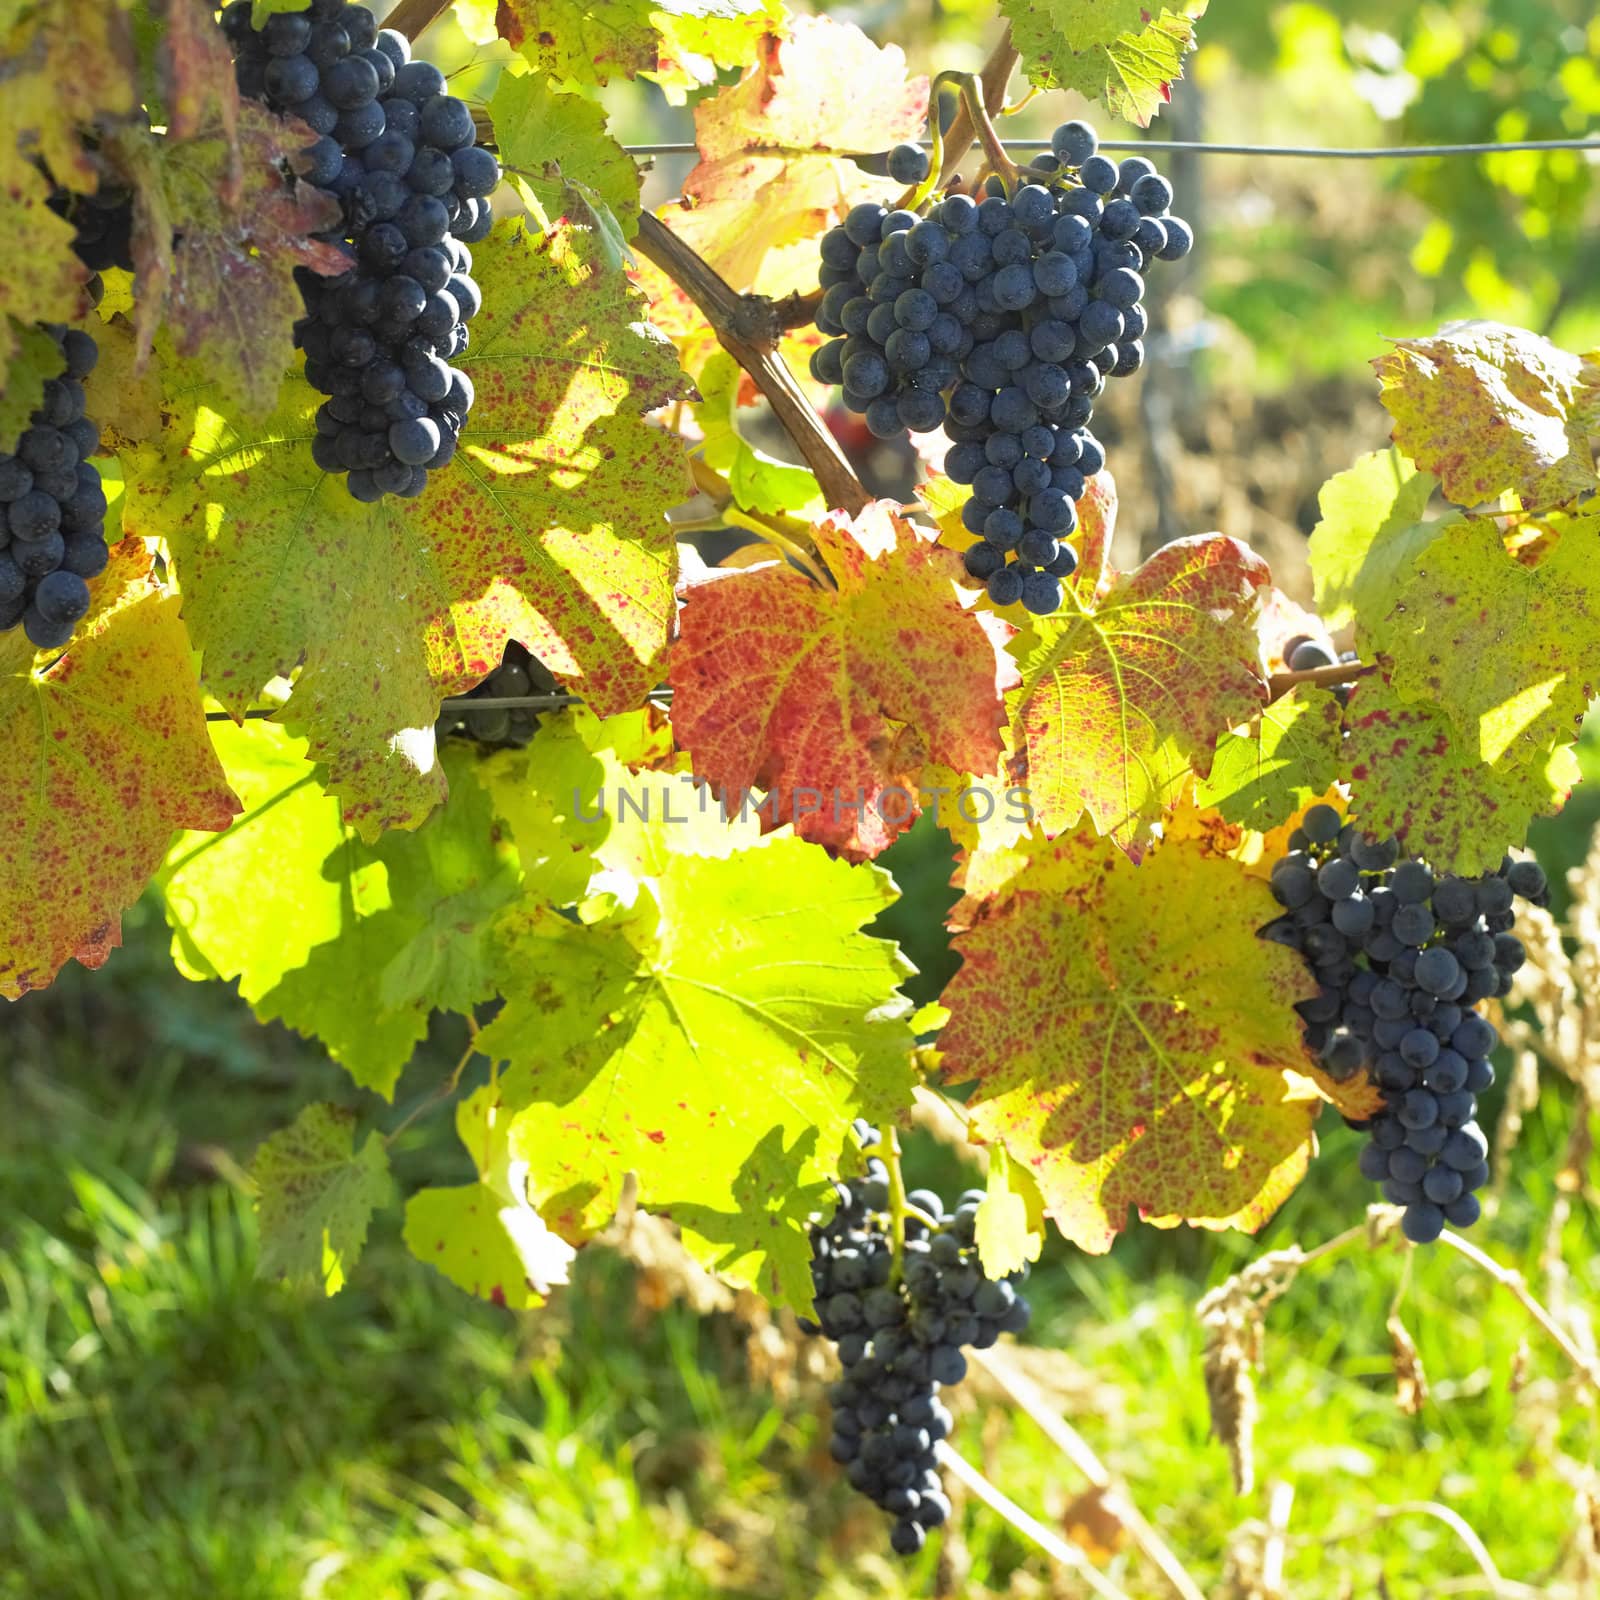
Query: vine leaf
x=1096 y=1012
x=486 y=1237
x=1506 y=649
x=38 y=357
x=549 y=527
x=315 y=1196
x=1370 y=533
x=218 y=233
x=367 y=991
x=777 y=144
x=846 y=694
x=66 y=64
x=252 y=903
x=548 y=139
x=1119 y=704
x=1413 y=774
x=588 y=44
x=1010 y=1220
x=106 y=754
x=747 y=1020
x=1121 y=52
x=1489 y=408
x=1288 y=756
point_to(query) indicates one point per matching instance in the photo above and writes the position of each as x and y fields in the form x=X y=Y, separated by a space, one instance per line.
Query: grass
x=171 y=1425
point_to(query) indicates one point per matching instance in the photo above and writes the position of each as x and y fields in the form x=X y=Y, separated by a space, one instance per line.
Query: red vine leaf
x=107 y=754
x=549 y=526
x=1119 y=704
x=1097 y=1012
x=842 y=696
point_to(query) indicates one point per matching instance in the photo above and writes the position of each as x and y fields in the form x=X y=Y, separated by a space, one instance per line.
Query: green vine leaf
x=1413 y=773
x=1491 y=409
x=1369 y=536
x=486 y=1237
x=1121 y=52
x=315 y=1196
x=747 y=1020
x=549 y=527
x=1010 y=1220
x=37 y=358
x=1096 y=1015
x=588 y=44
x=549 y=140
x=1285 y=760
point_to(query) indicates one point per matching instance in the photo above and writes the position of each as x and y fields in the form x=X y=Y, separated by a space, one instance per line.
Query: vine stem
x=747 y=327
x=443 y=1092
x=785 y=534
x=994 y=76
x=1280 y=683
x=410 y=17
x=1026 y=1394
x=1510 y=1278
x=1030 y=1527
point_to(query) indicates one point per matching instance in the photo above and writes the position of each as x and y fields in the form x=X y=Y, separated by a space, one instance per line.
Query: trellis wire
x=1200 y=147
x=462 y=702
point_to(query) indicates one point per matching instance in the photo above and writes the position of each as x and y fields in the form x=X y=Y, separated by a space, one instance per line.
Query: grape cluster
x=899 y=1336
x=401 y=155
x=520 y=673
x=1000 y=319
x=1401 y=957
x=53 y=506
x=1305 y=654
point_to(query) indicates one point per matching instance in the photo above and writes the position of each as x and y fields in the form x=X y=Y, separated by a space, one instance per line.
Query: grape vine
x=1401 y=957
x=401 y=155
x=1000 y=319
x=900 y=1291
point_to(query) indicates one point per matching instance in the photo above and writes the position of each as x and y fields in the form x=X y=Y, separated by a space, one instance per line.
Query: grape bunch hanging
x=1000 y=319
x=402 y=157
x=52 y=502
x=1402 y=957
x=520 y=674
x=899 y=1328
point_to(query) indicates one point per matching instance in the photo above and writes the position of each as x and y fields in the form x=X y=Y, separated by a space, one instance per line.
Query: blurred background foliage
x=170 y=1425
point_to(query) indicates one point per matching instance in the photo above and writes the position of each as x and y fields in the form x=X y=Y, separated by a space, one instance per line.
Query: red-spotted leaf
x=1488 y=408
x=106 y=754
x=1097 y=1013
x=677 y=42
x=1415 y=774
x=219 y=230
x=844 y=694
x=776 y=143
x=65 y=64
x=1119 y=704
x=549 y=526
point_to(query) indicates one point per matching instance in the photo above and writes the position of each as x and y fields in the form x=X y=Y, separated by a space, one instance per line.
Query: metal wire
x=462 y=702
x=1397 y=152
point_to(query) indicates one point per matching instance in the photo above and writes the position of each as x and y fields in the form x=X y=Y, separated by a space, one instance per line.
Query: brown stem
x=1280 y=683
x=996 y=74
x=748 y=330
x=410 y=17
